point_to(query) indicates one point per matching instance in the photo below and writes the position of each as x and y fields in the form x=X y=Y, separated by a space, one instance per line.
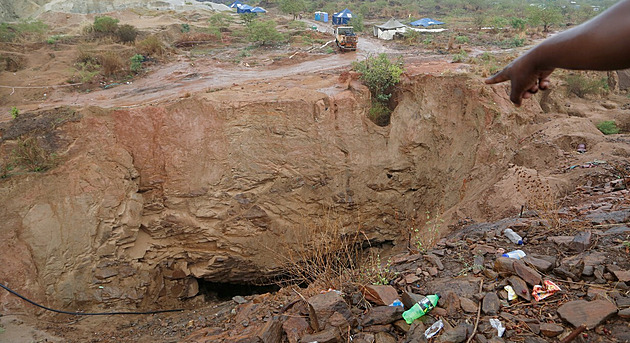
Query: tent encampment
x=243 y=8
x=342 y=18
x=426 y=22
x=389 y=29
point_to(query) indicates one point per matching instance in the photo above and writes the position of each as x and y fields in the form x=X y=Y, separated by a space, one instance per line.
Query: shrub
x=87 y=71
x=380 y=75
x=460 y=56
x=582 y=85
x=105 y=25
x=112 y=63
x=513 y=42
x=136 y=63
x=151 y=46
x=517 y=23
x=263 y=32
x=185 y=28
x=127 y=33
x=608 y=127
x=14 y=112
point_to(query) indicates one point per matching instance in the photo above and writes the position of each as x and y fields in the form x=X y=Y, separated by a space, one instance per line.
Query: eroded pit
x=161 y=203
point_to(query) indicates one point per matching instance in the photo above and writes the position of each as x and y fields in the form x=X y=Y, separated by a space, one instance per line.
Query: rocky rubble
x=586 y=256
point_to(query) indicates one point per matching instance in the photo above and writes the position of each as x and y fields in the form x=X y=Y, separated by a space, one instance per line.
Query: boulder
x=380 y=294
x=491 y=304
x=550 y=329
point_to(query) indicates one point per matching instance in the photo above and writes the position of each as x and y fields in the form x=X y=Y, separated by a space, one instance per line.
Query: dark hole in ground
x=226 y=291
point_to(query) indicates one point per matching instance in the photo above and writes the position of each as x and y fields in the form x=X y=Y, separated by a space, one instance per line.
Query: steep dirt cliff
x=147 y=200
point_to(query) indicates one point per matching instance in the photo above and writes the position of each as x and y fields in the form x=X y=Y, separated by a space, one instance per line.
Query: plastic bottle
x=516 y=254
x=420 y=308
x=513 y=236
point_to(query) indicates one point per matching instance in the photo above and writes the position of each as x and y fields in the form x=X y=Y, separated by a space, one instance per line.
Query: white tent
x=389 y=29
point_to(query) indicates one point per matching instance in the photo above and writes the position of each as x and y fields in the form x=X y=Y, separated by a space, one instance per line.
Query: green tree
x=357 y=23
x=380 y=75
x=293 y=7
x=545 y=15
x=263 y=32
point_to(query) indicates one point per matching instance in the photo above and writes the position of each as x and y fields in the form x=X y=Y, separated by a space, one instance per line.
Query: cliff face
x=148 y=199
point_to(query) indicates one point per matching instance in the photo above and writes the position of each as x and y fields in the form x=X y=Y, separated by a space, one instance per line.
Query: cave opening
x=213 y=291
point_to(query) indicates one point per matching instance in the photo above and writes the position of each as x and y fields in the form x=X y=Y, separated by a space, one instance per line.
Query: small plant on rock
x=29 y=154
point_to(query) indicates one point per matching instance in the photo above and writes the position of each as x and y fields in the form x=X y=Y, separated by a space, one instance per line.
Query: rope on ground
x=84 y=313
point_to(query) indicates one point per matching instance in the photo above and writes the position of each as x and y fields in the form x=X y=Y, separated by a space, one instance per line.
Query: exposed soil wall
x=147 y=199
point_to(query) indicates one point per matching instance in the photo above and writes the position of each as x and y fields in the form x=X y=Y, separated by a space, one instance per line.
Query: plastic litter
x=510 y=291
x=546 y=290
x=397 y=303
x=513 y=236
x=433 y=329
x=581 y=148
x=420 y=308
x=516 y=254
x=497 y=325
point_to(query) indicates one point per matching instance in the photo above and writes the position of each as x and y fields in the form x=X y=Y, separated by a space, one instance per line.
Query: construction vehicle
x=345 y=38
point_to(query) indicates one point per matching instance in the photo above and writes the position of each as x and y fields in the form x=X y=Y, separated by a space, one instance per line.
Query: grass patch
x=22 y=31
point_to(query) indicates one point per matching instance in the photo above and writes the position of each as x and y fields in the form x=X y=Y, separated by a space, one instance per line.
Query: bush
x=263 y=32
x=517 y=23
x=151 y=46
x=29 y=154
x=127 y=33
x=581 y=85
x=112 y=64
x=105 y=25
x=380 y=75
x=185 y=28
x=513 y=42
x=608 y=127
x=136 y=63
x=460 y=57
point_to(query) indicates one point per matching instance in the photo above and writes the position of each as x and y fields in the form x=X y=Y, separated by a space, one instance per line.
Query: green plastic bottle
x=420 y=308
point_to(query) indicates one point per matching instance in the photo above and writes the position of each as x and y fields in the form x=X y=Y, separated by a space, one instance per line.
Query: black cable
x=83 y=313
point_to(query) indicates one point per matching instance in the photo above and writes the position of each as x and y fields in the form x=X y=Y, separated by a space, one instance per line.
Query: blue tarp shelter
x=235 y=4
x=258 y=10
x=342 y=18
x=426 y=22
x=243 y=8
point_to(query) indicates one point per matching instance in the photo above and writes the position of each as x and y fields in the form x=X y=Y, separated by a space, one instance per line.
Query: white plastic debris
x=497 y=325
x=434 y=329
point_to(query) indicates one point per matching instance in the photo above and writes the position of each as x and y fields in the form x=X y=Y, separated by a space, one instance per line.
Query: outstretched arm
x=601 y=43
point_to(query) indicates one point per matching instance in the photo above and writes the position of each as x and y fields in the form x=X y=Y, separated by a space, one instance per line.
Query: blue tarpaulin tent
x=426 y=22
x=342 y=18
x=243 y=8
x=258 y=10
x=235 y=4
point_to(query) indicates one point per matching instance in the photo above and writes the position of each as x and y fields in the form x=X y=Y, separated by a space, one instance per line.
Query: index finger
x=497 y=78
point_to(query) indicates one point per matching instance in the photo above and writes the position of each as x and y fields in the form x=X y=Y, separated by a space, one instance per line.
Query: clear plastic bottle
x=516 y=254
x=420 y=308
x=513 y=236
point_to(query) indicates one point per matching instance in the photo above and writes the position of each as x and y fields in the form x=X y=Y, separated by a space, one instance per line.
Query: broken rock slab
x=590 y=313
x=380 y=294
x=520 y=287
x=491 y=304
x=550 y=329
x=325 y=305
x=382 y=315
x=529 y=275
x=581 y=241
